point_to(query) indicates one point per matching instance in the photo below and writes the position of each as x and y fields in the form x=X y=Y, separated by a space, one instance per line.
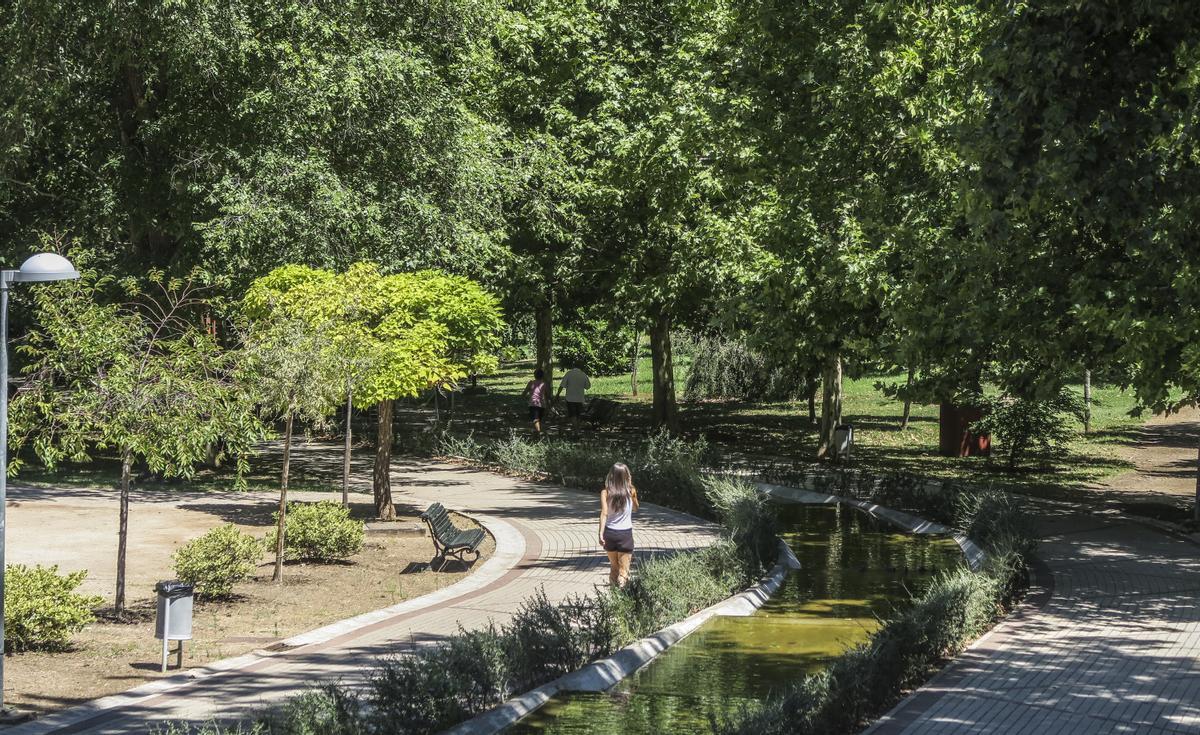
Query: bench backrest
x=439 y=521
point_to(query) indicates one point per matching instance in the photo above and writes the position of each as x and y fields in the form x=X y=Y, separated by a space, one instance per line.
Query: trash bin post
x=174 y=621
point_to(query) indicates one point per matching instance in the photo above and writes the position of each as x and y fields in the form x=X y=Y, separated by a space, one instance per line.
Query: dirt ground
x=1164 y=484
x=76 y=529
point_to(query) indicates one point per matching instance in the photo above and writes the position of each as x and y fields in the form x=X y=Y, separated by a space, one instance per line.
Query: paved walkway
x=1108 y=642
x=546 y=538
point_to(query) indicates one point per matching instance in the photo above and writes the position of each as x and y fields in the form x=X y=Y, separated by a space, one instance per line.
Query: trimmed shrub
x=321 y=532
x=41 y=608
x=218 y=560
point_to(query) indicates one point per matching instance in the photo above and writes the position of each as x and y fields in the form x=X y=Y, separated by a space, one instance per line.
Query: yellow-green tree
x=393 y=336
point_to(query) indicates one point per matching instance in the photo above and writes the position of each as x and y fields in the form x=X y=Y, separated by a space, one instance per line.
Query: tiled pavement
x=546 y=538
x=1110 y=643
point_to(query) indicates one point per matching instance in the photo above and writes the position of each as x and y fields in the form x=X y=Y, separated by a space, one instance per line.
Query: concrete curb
x=913 y=524
x=602 y=675
x=510 y=548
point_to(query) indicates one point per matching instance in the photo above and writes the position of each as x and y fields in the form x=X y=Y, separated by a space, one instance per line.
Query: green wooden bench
x=448 y=539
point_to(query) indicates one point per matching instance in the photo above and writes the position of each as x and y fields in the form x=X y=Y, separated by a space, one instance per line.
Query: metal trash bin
x=174 y=619
x=843 y=439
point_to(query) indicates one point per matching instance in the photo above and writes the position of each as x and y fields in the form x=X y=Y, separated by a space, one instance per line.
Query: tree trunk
x=346 y=449
x=810 y=387
x=831 y=405
x=633 y=364
x=907 y=400
x=544 y=318
x=665 y=414
x=281 y=522
x=123 y=530
x=382 y=484
x=1087 y=401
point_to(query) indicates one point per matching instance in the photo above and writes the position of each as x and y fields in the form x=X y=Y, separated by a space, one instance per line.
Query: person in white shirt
x=575 y=382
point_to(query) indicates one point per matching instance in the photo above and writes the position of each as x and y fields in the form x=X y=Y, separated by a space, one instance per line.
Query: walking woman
x=618 y=501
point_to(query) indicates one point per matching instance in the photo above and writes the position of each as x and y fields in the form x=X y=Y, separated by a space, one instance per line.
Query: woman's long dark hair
x=619 y=485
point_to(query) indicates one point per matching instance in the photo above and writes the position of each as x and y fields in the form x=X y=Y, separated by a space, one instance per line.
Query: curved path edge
x=606 y=673
x=510 y=550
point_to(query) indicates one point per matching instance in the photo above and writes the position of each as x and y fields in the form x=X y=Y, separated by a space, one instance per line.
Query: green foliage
x=748 y=517
x=463 y=447
x=218 y=560
x=42 y=610
x=728 y=368
x=520 y=455
x=327 y=710
x=388 y=336
x=1028 y=425
x=320 y=532
x=670 y=588
x=441 y=685
x=196 y=160
x=141 y=379
x=594 y=346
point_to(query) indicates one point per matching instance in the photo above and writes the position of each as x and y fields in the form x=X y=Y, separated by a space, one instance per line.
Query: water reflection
x=853 y=571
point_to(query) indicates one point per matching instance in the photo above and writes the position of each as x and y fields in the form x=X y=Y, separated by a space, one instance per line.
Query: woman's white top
x=622 y=521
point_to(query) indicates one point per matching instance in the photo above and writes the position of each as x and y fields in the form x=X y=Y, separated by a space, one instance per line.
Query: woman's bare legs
x=623 y=560
x=614 y=568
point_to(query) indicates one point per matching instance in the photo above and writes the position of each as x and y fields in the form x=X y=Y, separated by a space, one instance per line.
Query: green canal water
x=854 y=570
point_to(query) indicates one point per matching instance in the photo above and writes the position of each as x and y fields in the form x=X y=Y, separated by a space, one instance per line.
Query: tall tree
x=1085 y=172
x=667 y=217
x=143 y=381
x=289 y=385
x=250 y=133
x=420 y=330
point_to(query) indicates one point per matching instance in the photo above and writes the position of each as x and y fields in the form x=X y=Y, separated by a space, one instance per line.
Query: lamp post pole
x=5 y=280
x=40 y=268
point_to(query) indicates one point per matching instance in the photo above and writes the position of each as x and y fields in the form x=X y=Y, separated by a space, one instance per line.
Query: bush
x=328 y=710
x=463 y=447
x=41 y=608
x=728 y=368
x=1026 y=426
x=218 y=560
x=594 y=346
x=519 y=455
x=441 y=685
x=749 y=519
x=321 y=531
x=545 y=640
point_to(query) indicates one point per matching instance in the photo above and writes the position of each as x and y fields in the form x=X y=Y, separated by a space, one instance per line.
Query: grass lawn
x=746 y=434
x=778 y=434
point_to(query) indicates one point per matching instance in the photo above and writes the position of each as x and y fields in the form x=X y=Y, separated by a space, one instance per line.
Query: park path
x=545 y=539
x=1108 y=640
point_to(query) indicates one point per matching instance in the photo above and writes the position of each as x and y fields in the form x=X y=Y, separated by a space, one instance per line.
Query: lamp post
x=38 y=268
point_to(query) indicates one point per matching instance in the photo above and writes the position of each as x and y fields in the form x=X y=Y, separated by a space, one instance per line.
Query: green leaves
x=384 y=337
x=141 y=379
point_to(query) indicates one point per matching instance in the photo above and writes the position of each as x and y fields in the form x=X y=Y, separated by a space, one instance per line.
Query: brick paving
x=548 y=540
x=1107 y=643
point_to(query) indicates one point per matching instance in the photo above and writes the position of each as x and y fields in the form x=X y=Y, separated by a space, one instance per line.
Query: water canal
x=854 y=570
